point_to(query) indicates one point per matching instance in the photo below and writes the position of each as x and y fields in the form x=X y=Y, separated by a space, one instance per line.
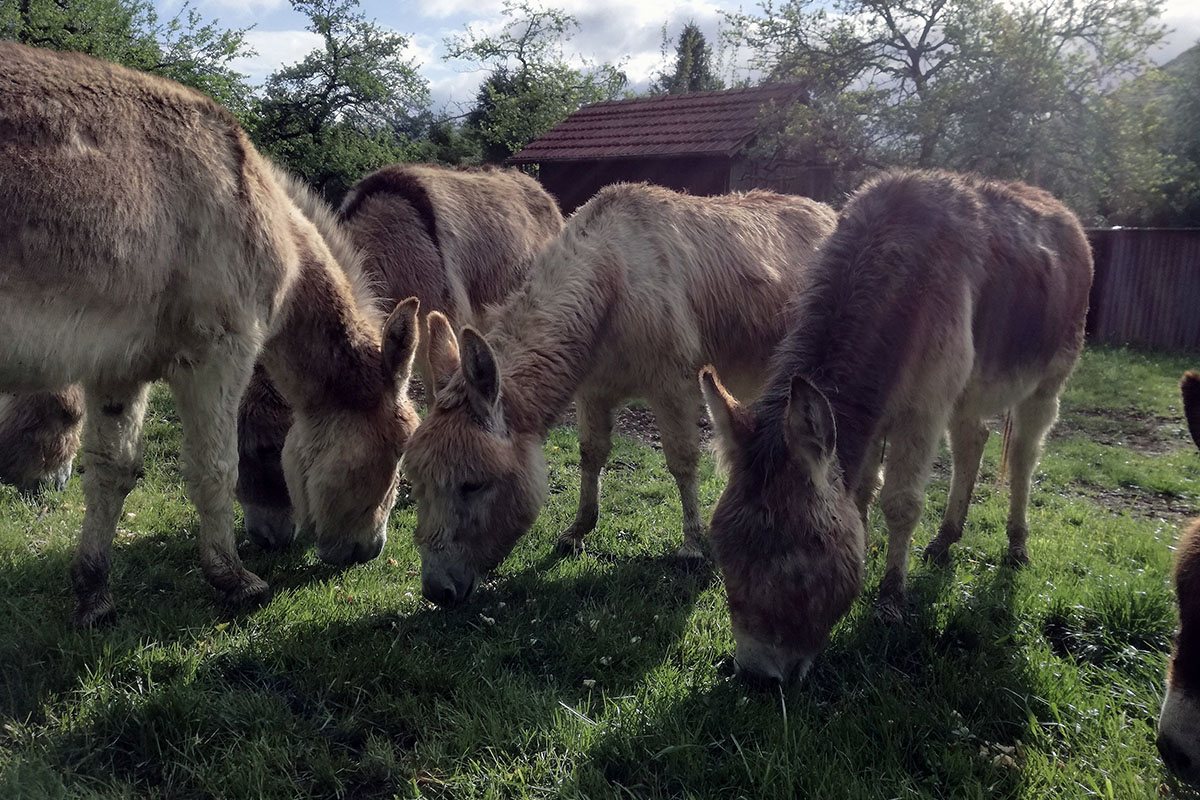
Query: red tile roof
x=702 y=123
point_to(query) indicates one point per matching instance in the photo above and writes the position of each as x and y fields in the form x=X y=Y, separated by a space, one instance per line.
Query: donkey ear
x=721 y=407
x=400 y=340
x=442 y=350
x=480 y=369
x=810 y=430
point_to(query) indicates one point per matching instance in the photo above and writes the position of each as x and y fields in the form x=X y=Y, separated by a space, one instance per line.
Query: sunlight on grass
x=602 y=676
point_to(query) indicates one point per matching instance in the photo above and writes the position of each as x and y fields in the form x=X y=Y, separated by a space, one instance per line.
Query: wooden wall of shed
x=787 y=177
x=574 y=182
x=1147 y=287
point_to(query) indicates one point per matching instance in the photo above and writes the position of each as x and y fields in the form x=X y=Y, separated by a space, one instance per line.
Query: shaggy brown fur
x=643 y=288
x=1179 y=722
x=940 y=299
x=457 y=239
x=39 y=434
x=143 y=237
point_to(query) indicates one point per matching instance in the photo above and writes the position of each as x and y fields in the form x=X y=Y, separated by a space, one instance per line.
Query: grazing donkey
x=142 y=236
x=644 y=286
x=39 y=434
x=1179 y=723
x=939 y=300
x=457 y=239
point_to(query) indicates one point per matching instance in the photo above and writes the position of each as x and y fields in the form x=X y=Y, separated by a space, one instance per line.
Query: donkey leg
x=594 y=422
x=678 y=415
x=911 y=449
x=868 y=485
x=207 y=397
x=112 y=452
x=968 y=436
x=1031 y=419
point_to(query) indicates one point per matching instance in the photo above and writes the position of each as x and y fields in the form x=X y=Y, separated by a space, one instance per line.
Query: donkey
x=1179 y=722
x=459 y=240
x=939 y=300
x=643 y=287
x=143 y=237
x=39 y=434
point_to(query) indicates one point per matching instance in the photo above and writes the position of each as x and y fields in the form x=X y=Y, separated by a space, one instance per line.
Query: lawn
x=605 y=676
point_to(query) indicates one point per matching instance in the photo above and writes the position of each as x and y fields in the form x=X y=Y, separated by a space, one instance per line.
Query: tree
x=335 y=114
x=530 y=87
x=185 y=48
x=1020 y=89
x=693 y=65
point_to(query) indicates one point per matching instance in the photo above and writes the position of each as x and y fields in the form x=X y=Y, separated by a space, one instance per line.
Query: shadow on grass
x=345 y=701
x=921 y=698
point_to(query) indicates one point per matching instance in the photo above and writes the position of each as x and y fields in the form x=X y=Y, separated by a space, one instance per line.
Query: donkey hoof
x=889 y=609
x=245 y=588
x=937 y=552
x=95 y=612
x=568 y=546
x=690 y=550
x=1018 y=556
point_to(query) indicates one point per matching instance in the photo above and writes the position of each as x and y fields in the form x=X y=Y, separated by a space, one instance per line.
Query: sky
x=628 y=32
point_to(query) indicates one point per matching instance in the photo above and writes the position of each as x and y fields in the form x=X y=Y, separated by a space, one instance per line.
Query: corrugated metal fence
x=1147 y=287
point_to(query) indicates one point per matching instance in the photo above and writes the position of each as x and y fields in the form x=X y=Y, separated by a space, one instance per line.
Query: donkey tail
x=1004 y=445
x=1190 y=388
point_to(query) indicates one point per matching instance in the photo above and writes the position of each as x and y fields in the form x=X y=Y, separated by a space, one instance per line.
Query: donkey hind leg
x=868 y=486
x=207 y=396
x=594 y=419
x=678 y=417
x=911 y=448
x=112 y=453
x=1031 y=419
x=968 y=436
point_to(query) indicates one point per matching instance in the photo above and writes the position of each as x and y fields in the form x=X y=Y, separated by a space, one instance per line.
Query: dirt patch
x=1139 y=503
x=1147 y=435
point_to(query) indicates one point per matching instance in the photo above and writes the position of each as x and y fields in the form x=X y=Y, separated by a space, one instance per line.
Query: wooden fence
x=1147 y=287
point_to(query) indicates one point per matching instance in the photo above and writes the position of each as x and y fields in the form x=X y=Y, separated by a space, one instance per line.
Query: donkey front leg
x=207 y=396
x=594 y=420
x=968 y=436
x=1030 y=420
x=678 y=416
x=911 y=449
x=112 y=454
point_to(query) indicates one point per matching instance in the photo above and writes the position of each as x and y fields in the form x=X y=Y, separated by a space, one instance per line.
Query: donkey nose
x=1173 y=756
x=441 y=591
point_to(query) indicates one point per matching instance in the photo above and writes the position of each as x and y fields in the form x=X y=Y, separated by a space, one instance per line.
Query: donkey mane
x=325 y=220
x=397 y=179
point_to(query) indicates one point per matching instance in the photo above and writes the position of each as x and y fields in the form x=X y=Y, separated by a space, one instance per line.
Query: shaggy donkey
x=939 y=300
x=1179 y=723
x=141 y=236
x=457 y=239
x=39 y=434
x=643 y=287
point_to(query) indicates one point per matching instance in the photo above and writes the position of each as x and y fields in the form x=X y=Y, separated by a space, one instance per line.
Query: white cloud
x=1183 y=17
x=243 y=8
x=274 y=50
x=456 y=8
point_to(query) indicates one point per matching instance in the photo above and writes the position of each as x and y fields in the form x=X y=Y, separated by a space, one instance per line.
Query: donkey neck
x=550 y=332
x=324 y=352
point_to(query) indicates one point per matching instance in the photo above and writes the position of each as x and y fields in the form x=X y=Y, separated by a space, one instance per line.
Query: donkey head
x=478 y=484
x=1179 y=723
x=342 y=462
x=785 y=534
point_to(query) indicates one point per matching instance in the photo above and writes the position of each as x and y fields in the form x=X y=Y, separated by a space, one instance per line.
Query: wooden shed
x=688 y=142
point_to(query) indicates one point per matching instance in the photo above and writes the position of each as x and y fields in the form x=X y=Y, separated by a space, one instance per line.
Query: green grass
x=602 y=677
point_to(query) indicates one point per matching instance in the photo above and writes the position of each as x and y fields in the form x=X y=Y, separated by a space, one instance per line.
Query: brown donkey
x=939 y=300
x=457 y=239
x=642 y=288
x=1179 y=722
x=39 y=434
x=142 y=236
